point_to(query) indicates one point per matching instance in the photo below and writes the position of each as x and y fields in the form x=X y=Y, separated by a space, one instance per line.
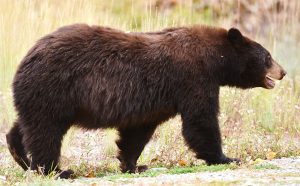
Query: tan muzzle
x=276 y=72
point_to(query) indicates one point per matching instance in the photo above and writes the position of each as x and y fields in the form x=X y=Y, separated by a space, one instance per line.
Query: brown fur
x=98 y=77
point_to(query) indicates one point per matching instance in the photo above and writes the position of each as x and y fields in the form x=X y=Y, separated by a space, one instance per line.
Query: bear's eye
x=268 y=60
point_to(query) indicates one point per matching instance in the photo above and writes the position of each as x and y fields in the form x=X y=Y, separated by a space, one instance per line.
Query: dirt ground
x=284 y=171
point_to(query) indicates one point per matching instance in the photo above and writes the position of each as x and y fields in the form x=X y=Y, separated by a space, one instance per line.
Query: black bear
x=98 y=77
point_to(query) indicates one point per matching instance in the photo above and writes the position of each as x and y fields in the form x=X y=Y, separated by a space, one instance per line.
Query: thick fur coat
x=98 y=77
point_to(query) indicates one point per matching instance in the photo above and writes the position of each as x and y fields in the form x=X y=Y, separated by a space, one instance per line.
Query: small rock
x=3 y=178
x=158 y=169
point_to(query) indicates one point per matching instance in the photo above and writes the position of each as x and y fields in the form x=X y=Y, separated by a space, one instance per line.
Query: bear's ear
x=235 y=36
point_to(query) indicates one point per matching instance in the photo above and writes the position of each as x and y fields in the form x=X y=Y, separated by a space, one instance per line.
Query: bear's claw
x=141 y=168
x=66 y=174
x=224 y=160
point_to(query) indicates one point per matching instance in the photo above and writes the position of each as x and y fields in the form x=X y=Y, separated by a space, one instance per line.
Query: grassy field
x=255 y=123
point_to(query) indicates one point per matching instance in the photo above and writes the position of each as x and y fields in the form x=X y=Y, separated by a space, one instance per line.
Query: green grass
x=16 y=175
x=174 y=170
x=213 y=168
x=114 y=176
x=263 y=166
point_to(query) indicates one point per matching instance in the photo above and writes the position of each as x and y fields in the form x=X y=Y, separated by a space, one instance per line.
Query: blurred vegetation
x=255 y=123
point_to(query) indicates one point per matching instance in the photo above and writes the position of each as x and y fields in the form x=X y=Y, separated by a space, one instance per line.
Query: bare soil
x=284 y=171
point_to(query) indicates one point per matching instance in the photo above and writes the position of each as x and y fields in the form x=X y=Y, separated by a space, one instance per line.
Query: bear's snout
x=276 y=72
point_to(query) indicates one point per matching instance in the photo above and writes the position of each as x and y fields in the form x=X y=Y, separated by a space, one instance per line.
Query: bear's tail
x=16 y=147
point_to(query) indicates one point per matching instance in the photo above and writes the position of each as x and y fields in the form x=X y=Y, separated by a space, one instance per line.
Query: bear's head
x=253 y=65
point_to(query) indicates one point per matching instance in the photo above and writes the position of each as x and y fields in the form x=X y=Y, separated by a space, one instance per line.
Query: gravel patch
x=285 y=171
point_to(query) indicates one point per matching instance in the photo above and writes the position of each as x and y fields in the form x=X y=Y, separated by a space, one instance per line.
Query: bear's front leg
x=201 y=130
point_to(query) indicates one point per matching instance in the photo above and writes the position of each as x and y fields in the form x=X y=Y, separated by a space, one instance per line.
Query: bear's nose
x=283 y=73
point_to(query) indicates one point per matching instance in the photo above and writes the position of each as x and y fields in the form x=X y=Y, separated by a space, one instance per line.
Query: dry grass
x=253 y=122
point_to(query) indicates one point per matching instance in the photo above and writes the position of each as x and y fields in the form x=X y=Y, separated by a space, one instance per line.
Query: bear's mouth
x=269 y=82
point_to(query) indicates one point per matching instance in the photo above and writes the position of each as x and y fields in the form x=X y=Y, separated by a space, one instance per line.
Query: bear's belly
x=86 y=119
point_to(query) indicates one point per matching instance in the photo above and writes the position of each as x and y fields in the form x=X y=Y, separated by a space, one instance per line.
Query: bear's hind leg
x=16 y=147
x=131 y=144
x=44 y=141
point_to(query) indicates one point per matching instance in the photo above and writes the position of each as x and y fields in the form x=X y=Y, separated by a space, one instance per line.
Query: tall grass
x=253 y=122
x=23 y=22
